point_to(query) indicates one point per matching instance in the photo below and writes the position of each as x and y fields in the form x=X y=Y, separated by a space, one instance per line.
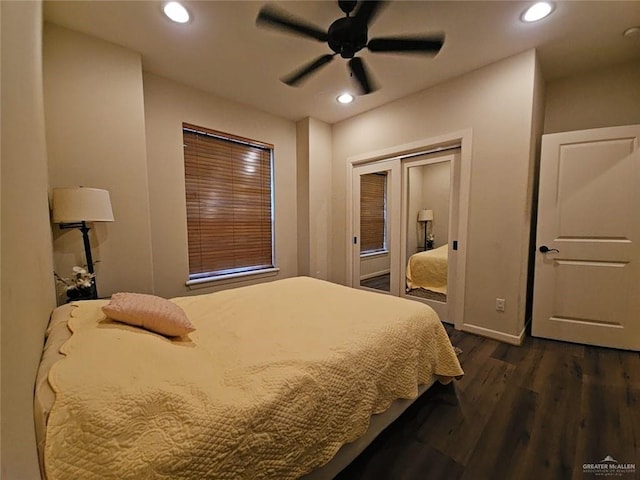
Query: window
x=229 y=197
x=373 y=213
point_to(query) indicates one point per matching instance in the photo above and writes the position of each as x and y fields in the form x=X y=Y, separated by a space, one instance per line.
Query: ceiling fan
x=346 y=37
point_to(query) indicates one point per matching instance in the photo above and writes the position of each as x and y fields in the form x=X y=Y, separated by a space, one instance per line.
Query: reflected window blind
x=229 y=203
x=373 y=203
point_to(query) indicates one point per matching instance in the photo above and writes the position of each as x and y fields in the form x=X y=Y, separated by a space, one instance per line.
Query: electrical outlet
x=500 y=304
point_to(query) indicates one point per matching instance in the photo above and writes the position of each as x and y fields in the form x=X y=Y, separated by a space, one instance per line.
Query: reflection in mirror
x=428 y=230
x=375 y=267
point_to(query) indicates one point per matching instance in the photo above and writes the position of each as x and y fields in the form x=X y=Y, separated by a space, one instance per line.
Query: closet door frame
x=396 y=153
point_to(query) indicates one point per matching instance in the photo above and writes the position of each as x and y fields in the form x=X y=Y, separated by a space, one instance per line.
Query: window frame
x=237 y=272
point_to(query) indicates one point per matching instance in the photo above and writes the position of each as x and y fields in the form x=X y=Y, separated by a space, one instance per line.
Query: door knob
x=545 y=249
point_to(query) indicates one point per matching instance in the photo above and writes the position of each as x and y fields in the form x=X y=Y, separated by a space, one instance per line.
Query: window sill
x=221 y=279
x=374 y=254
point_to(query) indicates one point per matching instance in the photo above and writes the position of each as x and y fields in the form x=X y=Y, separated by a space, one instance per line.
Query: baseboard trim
x=495 y=335
x=374 y=274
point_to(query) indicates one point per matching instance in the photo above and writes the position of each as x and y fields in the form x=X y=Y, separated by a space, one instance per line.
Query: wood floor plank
x=515 y=356
x=475 y=352
x=613 y=367
x=501 y=450
x=407 y=461
x=396 y=453
x=608 y=425
x=430 y=464
x=381 y=282
x=455 y=429
x=551 y=453
x=558 y=364
x=424 y=409
x=527 y=362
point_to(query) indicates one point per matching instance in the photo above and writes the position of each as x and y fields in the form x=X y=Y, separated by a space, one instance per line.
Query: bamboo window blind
x=229 y=203
x=373 y=200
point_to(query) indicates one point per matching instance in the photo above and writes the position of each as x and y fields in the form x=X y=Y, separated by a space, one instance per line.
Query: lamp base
x=87 y=251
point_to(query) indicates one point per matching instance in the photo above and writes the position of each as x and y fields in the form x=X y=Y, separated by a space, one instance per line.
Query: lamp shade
x=425 y=215
x=77 y=204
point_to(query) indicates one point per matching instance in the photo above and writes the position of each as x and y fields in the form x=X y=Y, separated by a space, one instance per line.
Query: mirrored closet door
x=407 y=222
x=430 y=219
x=376 y=228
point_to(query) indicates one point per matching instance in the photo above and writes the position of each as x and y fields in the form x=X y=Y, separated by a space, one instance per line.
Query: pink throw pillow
x=148 y=311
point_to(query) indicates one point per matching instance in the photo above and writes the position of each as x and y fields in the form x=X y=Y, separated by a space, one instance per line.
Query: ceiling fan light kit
x=346 y=37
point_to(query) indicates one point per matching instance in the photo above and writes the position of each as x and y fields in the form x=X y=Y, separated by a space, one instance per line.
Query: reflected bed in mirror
x=428 y=211
x=427 y=274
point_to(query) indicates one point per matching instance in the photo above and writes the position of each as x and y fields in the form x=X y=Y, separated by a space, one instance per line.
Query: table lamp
x=74 y=207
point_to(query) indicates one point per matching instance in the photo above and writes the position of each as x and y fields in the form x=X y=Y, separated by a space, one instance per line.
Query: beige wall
x=374 y=265
x=96 y=138
x=313 y=140
x=320 y=144
x=27 y=267
x=167 y=105
x=598 y=98
x=436 y=182
x=302 y=190
x=496 y=102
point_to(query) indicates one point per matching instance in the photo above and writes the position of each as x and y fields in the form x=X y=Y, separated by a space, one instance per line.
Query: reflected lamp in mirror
x=425 y=216
x=74 y=207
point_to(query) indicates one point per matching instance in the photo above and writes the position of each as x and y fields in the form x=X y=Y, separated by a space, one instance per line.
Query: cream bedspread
x=429 y=270
x=274 y=380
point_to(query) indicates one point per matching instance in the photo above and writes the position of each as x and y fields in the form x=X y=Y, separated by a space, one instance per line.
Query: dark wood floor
x=536 y=412
x=383 y=282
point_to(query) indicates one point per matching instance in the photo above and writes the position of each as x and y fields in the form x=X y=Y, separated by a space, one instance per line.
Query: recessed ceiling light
x=345 y=98
x=537 y=12
x=176 y=12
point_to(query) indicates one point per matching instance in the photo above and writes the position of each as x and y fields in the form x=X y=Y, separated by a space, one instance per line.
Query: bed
x=278 y=381
x=428 y=270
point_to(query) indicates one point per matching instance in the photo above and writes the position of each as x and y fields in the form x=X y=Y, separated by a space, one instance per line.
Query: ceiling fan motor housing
x=346 y=37
x=347 y=6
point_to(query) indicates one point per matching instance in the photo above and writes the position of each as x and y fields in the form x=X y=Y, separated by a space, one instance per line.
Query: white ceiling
x=222 y=51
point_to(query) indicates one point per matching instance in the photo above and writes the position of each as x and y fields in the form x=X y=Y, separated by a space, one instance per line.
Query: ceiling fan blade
x=296 y=77
x=430 y=45
x=270 y=17
x=367 y=10
x=360 y=72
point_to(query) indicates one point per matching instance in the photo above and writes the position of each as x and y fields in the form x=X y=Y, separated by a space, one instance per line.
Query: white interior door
x=587 y=272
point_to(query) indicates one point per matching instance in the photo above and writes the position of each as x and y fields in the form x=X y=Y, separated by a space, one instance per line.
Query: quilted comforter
x=274 y=380
x=429 y=269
